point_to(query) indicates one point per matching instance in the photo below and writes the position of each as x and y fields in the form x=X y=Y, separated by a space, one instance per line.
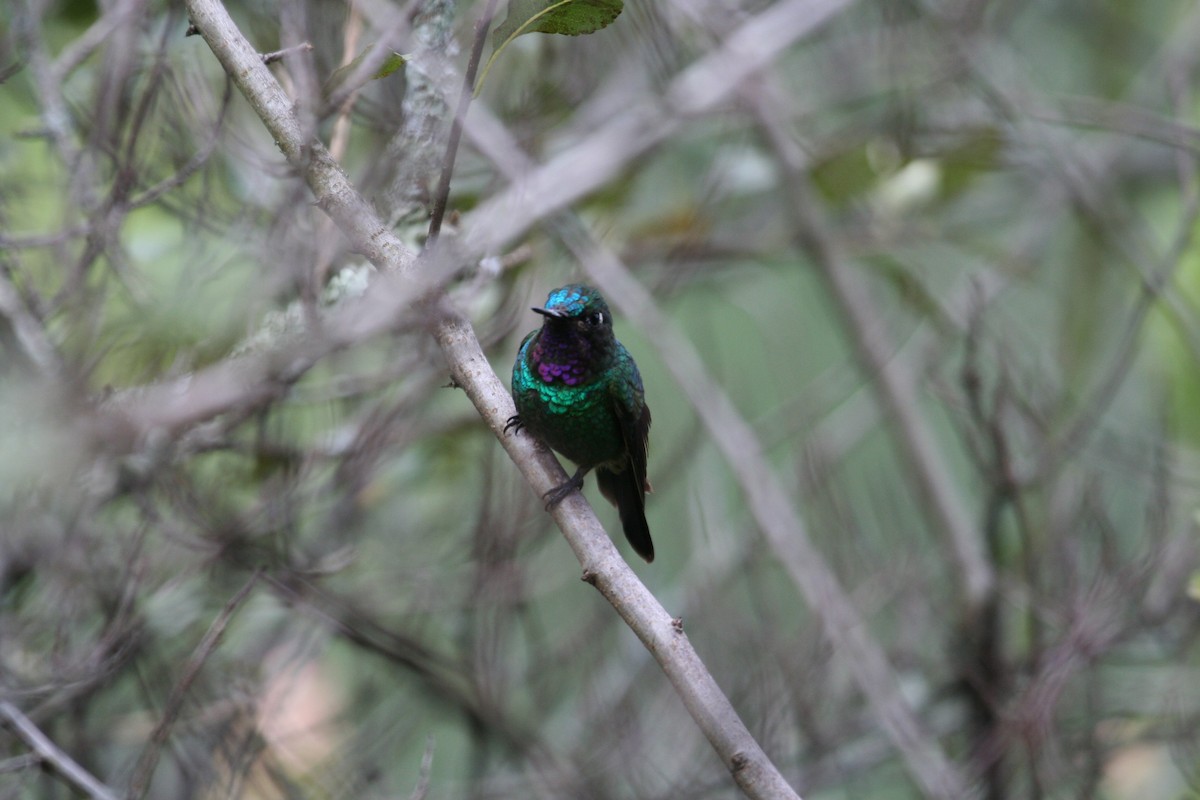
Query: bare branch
x=442 y=194
x=593 y=161
x=333 y=191
x=897 y=391
x=279 y=55
x=28 y=329
x=776 y=517
x=51 y=755
x=724 y=155
x=603 y=567
x=421 y=790
x=786 y=532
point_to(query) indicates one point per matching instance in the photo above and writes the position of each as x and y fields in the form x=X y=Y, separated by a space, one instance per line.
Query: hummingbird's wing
x=625 y=485
x=636 y=433
x=633 y=417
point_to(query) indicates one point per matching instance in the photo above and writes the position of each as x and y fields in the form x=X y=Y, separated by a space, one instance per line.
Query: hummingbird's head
x=578 y=312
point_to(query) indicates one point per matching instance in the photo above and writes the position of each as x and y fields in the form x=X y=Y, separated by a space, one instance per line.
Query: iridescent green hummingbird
x=578 y=390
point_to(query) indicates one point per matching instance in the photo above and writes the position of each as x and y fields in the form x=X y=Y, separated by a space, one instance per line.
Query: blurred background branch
x=202 y=380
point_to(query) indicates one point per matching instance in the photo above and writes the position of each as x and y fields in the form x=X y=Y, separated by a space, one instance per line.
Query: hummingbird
x=578 y=391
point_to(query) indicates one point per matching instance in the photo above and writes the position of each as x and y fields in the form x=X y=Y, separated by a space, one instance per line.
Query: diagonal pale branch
x=28 y=330
x=786 y=532
x=236 y=382
x=700 y=89
x=52 y=756
x=776 y=516
x=896 y=389
x=603 y=566
x=329 y=184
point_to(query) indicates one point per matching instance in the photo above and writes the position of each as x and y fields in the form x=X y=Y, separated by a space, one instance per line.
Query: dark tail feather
x=622 y=490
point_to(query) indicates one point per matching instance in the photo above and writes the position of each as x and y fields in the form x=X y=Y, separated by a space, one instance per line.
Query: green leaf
x=393 y=62
x=567 y=17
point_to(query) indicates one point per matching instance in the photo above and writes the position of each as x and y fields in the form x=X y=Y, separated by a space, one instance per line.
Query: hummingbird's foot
x=515 y=423
x=559 y=493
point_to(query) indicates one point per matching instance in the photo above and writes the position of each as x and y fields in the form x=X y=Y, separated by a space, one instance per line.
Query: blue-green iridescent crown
x=574 y=299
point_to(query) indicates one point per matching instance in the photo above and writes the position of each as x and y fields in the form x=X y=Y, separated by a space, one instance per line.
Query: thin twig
x=328 y=243
x=421 y=790
x=329 y=184
x=51 y=755
x=341 y=126
x=279 y=55
x=144 y=770
x=29 y=331
x=81 y=47
x=20 y=763
x=442 y=196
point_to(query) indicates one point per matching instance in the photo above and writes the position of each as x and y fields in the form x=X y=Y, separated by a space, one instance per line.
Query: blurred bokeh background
x=1011 y=189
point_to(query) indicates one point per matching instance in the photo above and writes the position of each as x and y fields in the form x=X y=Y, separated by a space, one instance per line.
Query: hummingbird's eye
x=595 y=318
